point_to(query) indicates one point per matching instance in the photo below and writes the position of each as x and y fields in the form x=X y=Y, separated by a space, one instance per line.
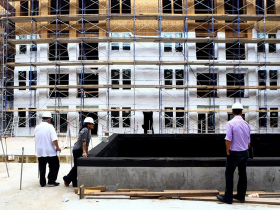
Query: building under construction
x=169 y=66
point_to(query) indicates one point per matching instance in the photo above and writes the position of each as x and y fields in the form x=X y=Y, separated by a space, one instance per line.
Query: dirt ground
x=34 y=197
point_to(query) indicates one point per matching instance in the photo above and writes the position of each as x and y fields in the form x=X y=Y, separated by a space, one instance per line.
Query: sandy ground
x=34 y=197
x=14 y=145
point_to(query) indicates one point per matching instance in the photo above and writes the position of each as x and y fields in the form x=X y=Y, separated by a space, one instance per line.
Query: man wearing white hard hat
x=46 y=150
x=237 y=143
x=80 y=149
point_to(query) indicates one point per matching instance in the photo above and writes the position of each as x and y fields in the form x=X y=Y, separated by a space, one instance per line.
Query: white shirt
x=44 y=136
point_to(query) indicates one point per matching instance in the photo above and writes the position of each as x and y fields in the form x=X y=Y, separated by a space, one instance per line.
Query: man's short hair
x=237 y=111
x=46 y=118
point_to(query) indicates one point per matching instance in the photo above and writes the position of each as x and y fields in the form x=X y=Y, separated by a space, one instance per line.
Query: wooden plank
x=200 y=87
x=87 y=191
x=141 y=39
x=165 y=194
x=268 y=201
x=96 y=189
x=144 y=62
x=132 y=190
x=144 y=197
x=97 y=17
x=147 y=110
x=166 y=198
x=82 y=191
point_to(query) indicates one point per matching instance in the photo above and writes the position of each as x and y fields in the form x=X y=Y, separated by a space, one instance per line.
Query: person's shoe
x=238 y=198
x=43 y=185
x=65 y=182
x=53 y=184
x=222 y=199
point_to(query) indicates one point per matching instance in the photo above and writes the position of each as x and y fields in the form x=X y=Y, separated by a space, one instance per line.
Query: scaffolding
x=185 y=61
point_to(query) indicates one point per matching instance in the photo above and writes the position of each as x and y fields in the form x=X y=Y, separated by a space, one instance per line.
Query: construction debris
x=270 y=198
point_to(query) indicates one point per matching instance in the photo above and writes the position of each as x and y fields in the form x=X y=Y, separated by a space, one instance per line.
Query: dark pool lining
x=106 y=154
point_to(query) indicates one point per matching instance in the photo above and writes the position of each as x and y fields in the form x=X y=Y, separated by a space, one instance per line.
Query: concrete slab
x=34 y=197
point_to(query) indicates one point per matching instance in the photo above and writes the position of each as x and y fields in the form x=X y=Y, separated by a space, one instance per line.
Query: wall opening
x=208 y=79
x=88 y=79
x=58 y=79
x=235 y=80
x=58 y=53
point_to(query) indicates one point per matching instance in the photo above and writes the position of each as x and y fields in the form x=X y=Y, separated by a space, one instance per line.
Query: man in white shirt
x=46 y=150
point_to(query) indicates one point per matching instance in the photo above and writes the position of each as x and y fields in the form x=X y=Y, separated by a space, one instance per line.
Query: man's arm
x=55 y=142
x=228 y=143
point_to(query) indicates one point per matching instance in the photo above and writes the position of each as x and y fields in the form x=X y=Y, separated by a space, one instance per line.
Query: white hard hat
x=88 y=120
x=47 y=115
x=237 y=106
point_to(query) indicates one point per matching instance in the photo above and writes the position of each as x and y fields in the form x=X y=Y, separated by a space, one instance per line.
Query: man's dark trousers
x=53 y=169
x=236 y=159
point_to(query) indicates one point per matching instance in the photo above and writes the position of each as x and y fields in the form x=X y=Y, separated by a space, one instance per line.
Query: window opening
x=231 y=7
x=126 y=78
x=208 y=79
x=22 y=79
x=168 y=77
x=232 y=51
x=235 y=80
x=24 y=8
x=272 y=46
x=89 y=79
x=61 y=53
x=270 y=7
x=262 y=77
x=21 y=117
x=262 y=118
x=168 y=117
x=180 y=118
x=115 y=118
x=88 y=51
x=32 y=118
x=115 y=77
x=58 y=79
x=273 y=77
x=89 y=6
x=22 y=49
x=274 y=118
x=205 y=51
x=126 y=117
x=260 y=7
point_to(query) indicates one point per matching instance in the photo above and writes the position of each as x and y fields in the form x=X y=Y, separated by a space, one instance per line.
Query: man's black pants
x=72 y=175
x=236 y=159
x=53 y=169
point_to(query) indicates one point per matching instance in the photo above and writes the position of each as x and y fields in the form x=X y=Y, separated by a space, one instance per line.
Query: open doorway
x=148 y=122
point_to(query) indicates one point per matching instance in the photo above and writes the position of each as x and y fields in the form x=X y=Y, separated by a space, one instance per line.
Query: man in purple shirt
x=237 y=143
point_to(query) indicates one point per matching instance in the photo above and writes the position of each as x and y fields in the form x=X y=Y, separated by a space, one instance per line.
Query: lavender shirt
x=238 y=132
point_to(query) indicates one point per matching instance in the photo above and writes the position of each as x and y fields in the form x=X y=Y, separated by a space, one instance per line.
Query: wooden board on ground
x=144 y=197
x=91 y=189
x=186 y=193
x=82 y=191
x=133 y=190
x=268 y=201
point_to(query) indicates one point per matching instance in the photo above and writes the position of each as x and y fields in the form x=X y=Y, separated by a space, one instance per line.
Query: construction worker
x=237 y=143
x=80 y=149
x=46 y=150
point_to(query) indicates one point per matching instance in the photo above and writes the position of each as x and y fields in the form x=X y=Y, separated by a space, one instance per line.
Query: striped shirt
x=238 y=132
x=84 y=136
